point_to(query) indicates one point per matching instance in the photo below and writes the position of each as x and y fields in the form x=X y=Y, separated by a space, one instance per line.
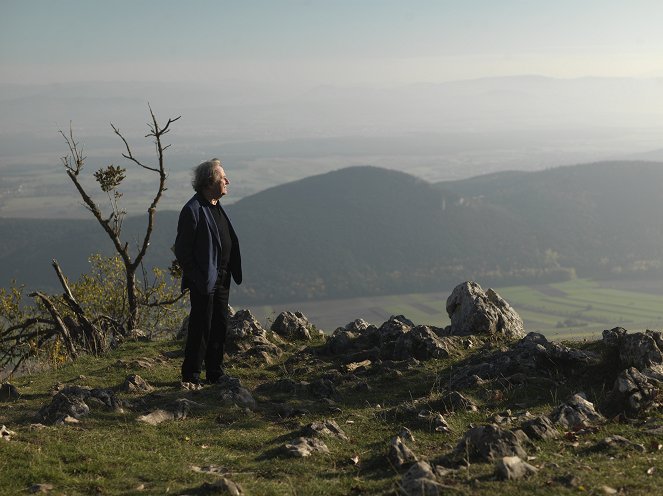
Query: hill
x=369 y=231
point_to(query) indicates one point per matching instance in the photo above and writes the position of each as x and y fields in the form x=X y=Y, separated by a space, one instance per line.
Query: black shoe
x=216 y=378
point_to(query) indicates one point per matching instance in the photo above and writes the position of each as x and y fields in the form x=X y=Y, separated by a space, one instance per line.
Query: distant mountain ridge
x=367 y=230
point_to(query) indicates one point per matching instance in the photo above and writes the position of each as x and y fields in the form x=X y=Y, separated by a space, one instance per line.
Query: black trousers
x=208 y=325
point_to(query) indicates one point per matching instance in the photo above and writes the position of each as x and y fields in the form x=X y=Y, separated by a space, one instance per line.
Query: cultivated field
x=570 y=310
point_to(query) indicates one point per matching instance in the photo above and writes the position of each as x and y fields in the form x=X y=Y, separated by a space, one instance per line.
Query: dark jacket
x=198 y=245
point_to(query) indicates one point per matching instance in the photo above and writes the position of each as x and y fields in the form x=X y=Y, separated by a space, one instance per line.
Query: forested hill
x=367 y=230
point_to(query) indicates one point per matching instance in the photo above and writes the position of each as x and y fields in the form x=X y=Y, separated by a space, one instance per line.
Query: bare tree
x=109 y=180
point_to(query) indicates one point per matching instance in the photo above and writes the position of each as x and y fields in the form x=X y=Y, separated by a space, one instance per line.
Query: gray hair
x=205 y=174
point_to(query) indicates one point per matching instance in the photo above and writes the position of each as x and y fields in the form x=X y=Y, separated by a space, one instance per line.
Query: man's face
x=220 y=188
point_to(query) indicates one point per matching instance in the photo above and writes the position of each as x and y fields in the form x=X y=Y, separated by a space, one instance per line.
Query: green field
x=569 y=310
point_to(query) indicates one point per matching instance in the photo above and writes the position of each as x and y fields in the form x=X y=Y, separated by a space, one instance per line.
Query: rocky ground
x=479 y=407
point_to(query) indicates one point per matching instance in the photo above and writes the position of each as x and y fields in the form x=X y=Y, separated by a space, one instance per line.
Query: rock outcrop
x=475 y=312
x=292 y=326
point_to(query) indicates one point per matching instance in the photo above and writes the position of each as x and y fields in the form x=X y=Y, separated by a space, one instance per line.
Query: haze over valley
x=268 y=136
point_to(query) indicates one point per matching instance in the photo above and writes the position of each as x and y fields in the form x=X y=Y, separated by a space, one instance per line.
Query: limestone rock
x=575 y=413
x=633 y=393
x=540 y=428
x=180 y=409
x=474 y=312
x=325 y=428
x=305 y=446
x=454 y=401
x=8 y=392
x=73 y=402
x=487 y=443
x=222 y=486
x=641 y=349
x=617 y=443
x=353 y=337
x=512 y=467
x=292 y=326
x=399 y=454
x=136 y=384
x=248 y=338
x=421 y=480
x=533 y=356
x=5 y=433
x=156 y=417
x=232 y=391
x=422 y=342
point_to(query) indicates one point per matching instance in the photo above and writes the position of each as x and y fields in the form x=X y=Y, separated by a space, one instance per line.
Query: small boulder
x=136 y=384
x=488 y=443
x=222 y=486
x=421 y=480
x=5 y=433
x=540 y=428
x=576 y=412
x=302 y=447
x=633 y=393
x=473 y=311
x=399 y=454
x=641 y=349
x=327 y=428
x=513 y=467
x=292 y=326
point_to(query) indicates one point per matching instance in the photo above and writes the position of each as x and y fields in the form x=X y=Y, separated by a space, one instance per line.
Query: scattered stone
x=305 y=446
x=454 y=401
x=136 y=384
x=325 y=428
x=632 y=393
x=40 y=488
x=576 y=413
x=440 y=423
x=156 y=417
x=641 y=349
x=323 y=388
x=249 y=339
x=608 y=490
x=139 y=363
x=210 y=469
x=424 y=343
x=421 y=480
x=292 y=326
x=474 y=312
x=489 y=442
x=399 y=454
x=179 y=410
x=357 y=366
x=5 y=433
x=406 y=434
x=568 y=480
x=8 y=393
x=233 y=392
x=222 y=486
x=540 y=428
x=513 y=467
x=534 y=356
x=616 y=442
x=69 y=402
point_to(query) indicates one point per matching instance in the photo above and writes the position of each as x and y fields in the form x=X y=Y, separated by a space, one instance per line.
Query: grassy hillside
x=365 y=231
x=110 y=452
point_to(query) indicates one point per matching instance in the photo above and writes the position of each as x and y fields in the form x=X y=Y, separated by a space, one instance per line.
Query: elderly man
x=207 y=250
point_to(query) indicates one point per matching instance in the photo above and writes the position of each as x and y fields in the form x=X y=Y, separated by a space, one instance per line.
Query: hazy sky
x=316 y=42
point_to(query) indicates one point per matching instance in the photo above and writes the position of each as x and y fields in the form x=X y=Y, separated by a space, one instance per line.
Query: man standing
x=207 y=250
